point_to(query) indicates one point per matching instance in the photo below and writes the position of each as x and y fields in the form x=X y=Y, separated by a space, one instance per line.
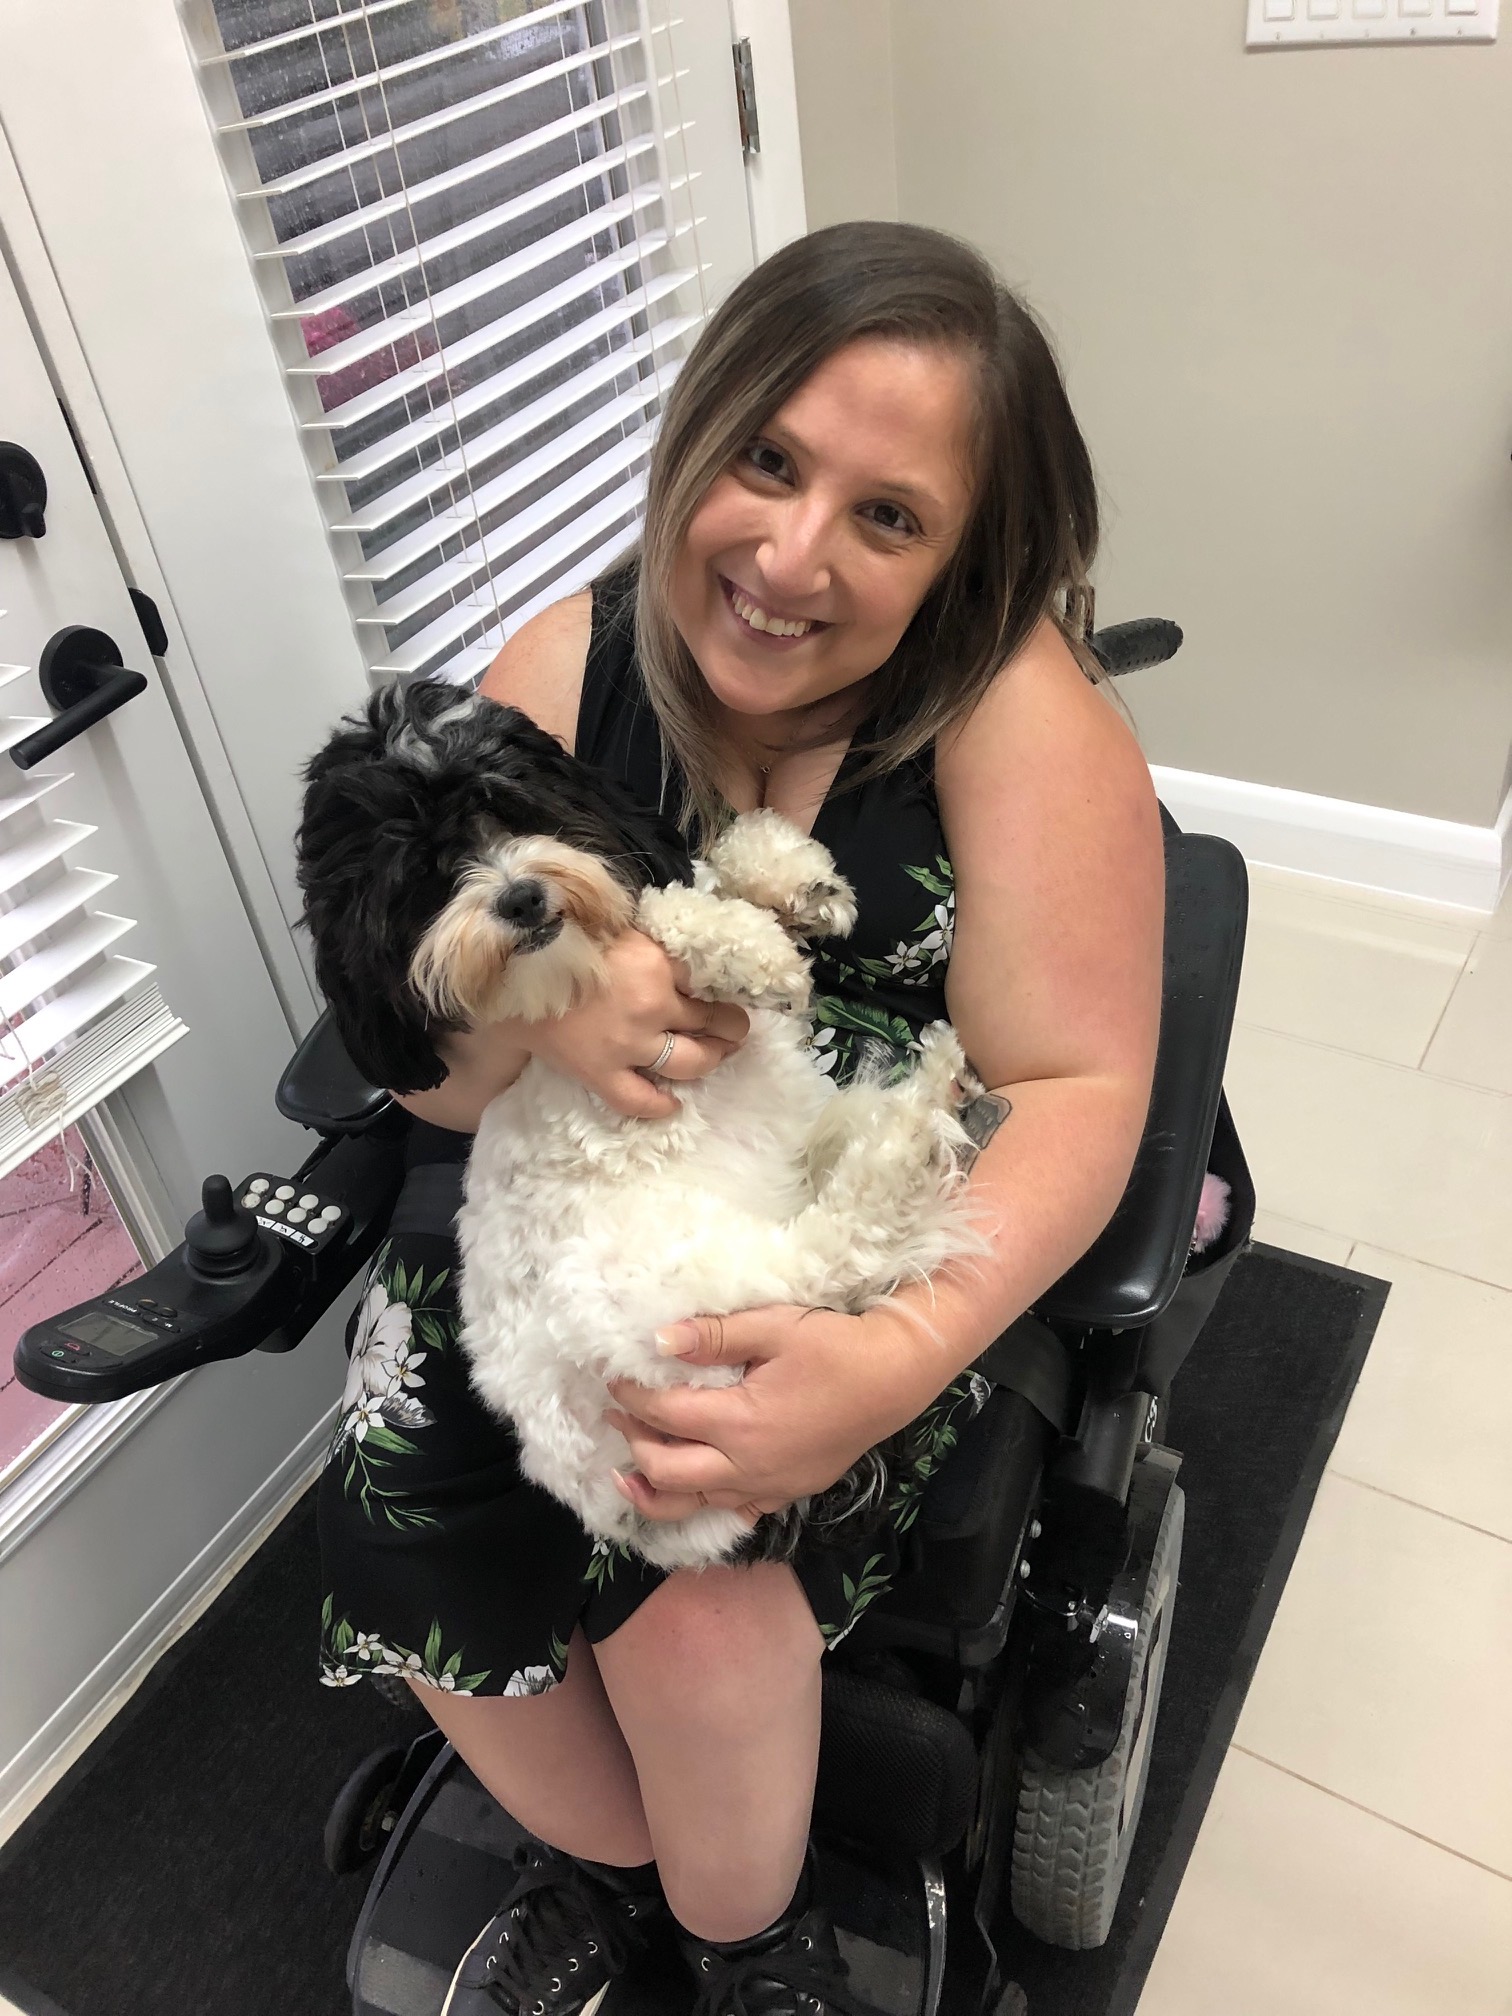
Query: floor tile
x=1384 y=1677
x=1400 y=1159
x=1295 y=1904
x=1474 y=1038
x=1274 y=1230
x=1500 y=923
x=1366 y=978
x=1429 y=1419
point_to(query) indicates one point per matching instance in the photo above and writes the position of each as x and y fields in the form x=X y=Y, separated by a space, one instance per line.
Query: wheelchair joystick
x=221 y=1239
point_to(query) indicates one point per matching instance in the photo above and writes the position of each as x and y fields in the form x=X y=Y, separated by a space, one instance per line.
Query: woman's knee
x=719 y=1640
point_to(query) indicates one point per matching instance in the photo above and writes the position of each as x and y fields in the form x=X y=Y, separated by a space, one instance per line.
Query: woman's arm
x=1054 y=983
x=1054 y=988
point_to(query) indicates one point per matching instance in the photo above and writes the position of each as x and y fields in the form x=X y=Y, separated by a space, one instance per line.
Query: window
x=474 y=229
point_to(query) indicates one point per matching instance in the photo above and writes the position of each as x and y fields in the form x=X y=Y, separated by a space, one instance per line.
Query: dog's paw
x=765 y=859
x=732 y=950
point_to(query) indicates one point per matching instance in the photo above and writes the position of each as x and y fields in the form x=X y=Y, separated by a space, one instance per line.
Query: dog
x=460 y=868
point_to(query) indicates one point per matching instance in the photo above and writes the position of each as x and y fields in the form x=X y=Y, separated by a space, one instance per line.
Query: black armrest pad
x=322 y=1088
x=1135 y=1267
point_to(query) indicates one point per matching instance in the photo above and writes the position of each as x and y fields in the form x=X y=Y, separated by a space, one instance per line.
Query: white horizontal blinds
x=78 y=1017
x=475 y=227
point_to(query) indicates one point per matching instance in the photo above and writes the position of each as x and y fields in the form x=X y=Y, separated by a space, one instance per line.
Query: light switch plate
x=1291 y=24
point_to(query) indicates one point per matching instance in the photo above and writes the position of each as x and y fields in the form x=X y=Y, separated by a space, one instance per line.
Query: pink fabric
x=1212 y=1211
x=57 y=1247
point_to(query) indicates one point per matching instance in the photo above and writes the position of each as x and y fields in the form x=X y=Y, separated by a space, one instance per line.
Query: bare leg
x=715 y=1683
x=556 y=1761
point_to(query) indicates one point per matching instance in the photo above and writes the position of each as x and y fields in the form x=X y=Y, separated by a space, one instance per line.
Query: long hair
x=1032 y=528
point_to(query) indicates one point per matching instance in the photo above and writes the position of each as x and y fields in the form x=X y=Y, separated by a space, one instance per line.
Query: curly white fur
x=584 y=1232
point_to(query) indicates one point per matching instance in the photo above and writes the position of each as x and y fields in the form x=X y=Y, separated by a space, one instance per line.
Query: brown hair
x=1032 y=530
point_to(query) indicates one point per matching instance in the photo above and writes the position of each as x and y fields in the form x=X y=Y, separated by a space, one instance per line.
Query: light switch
x=1279 y=25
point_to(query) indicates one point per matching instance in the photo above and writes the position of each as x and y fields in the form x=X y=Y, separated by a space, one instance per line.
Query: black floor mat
x=178 y=1866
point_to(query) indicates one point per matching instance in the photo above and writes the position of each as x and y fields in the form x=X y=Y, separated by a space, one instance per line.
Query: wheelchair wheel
x=1073 y=1830
x=355 y=1832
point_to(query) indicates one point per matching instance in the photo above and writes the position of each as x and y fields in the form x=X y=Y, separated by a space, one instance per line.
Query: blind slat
x=524 y=420
x=449 y=115
x=436 y=245
x=18 y=864
x=101 y=988
x=98 y=1062
x=462 y=293
x=65 y=894
x=540 y=11
x=522 y=526
x=444 y=180
x=484 y=497
x=491 y=336
x=538 y=564
x=25 y=984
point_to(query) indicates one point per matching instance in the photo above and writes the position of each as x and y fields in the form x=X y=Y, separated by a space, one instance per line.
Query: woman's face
x=806 y=561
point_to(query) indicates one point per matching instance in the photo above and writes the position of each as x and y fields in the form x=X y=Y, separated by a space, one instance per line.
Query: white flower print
x=531 y=1680
x=383 y=1365
x=338 y=1676
x=822 y=1048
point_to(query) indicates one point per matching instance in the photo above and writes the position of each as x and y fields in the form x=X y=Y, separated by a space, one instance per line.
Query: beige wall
x=842 y=63
x=1282 y=289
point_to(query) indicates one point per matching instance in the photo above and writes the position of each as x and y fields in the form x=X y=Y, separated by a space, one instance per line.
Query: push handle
x=84 y=679
x=23 y=493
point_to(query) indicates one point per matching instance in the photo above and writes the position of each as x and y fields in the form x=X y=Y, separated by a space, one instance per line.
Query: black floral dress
x=441 y=1562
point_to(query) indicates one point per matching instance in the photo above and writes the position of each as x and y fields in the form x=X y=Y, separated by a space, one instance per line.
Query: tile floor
x=1357 y=1856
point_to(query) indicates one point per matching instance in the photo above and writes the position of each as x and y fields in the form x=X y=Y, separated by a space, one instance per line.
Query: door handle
x=82 y=675
x=23 y=493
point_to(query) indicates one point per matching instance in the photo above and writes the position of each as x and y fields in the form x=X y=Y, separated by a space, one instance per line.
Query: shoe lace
x=743 y=1986
x=557 y=1912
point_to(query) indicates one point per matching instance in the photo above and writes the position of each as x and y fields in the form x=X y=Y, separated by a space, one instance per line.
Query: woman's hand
x=611 y=1042
x=819 y=1390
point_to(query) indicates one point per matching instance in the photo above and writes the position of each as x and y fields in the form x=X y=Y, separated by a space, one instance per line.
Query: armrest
x=1130 y=1274
x=322 y=1088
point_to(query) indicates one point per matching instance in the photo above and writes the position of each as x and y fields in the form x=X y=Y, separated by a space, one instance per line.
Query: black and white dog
x=459 y=868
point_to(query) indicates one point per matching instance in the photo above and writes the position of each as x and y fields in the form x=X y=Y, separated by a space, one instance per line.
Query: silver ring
x=666 y=1051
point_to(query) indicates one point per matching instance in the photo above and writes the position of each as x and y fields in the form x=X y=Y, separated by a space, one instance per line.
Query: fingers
x=690 y=1057
x=635 y=1095
x=668 y=1505
x=721 y=1020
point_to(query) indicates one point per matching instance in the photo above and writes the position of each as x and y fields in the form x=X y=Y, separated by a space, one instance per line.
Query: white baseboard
x=69 y=1731
x=1370 y=846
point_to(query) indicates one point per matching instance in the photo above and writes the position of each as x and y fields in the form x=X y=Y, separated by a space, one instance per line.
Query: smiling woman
x=858 y=600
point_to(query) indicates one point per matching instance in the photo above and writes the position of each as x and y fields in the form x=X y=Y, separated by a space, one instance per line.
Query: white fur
x=584 y=1232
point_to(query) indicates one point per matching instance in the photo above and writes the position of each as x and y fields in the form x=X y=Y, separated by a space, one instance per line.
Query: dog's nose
x=522 y=904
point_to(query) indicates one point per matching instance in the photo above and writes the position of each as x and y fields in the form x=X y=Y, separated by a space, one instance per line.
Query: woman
x=868 y=527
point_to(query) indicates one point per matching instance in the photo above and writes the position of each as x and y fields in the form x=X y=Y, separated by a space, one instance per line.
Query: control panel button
x=309 y=1201
x=285 y=1191
x=296 y=1216
x=259 y=1184
x=273 y=1206
x=252 y=1201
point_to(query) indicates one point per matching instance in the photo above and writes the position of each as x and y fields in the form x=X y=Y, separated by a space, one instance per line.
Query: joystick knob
x=221 y=1238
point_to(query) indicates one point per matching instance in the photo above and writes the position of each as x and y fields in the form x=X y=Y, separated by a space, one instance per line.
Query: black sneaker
x=558 y=1943
x=794 y=1968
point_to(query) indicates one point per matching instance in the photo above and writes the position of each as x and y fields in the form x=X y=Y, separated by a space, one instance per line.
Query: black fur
x=396 y=803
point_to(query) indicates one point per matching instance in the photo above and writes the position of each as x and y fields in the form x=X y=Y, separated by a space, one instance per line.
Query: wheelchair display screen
x=106 y=1333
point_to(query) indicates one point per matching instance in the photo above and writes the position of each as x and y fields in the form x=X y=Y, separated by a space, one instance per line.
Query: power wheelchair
x=994 y=1710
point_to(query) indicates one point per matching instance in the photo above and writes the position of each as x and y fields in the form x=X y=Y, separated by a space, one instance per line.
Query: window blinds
x=77 y=1016
x=473 y=222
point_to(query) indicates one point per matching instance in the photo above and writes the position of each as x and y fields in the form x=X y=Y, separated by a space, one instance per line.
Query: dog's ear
x=370 y=884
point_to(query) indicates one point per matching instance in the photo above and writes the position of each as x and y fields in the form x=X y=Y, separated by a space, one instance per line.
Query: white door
x=296 y=242
x=98 y=1529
